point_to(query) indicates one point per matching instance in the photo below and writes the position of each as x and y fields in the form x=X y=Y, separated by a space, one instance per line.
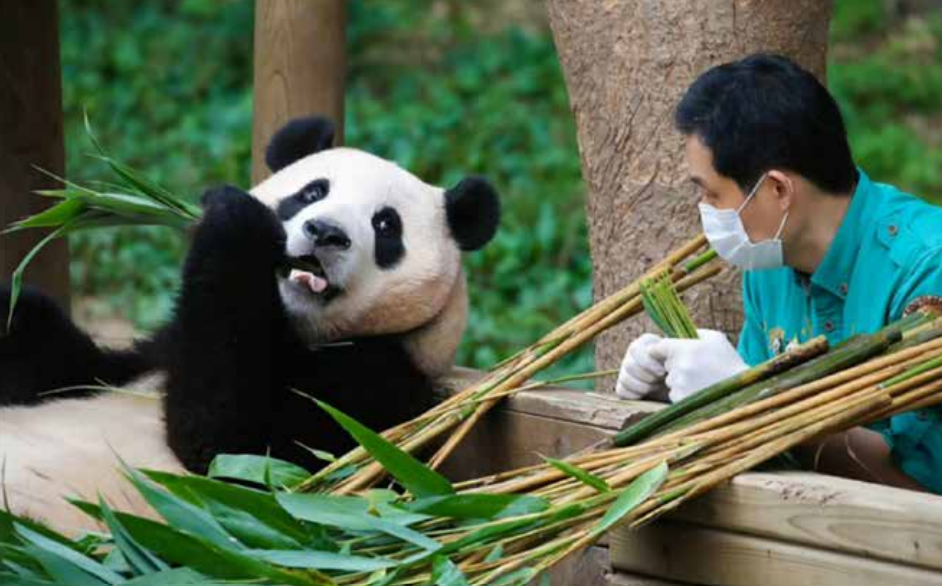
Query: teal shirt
x=886 y=254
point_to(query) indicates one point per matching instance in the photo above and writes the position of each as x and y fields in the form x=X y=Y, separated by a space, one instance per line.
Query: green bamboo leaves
x=665 y=308
x=132 y=200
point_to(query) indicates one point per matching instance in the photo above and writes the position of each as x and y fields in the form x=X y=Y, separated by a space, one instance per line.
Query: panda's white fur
x=69 y=447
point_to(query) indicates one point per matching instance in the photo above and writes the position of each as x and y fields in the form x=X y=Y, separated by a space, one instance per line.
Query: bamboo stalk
x=892 y=364
x=758 y=456
x=784 y=362
x=568 y=345
x=848 y=354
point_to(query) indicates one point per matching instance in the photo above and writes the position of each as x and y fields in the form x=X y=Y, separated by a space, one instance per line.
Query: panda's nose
x=326 y=235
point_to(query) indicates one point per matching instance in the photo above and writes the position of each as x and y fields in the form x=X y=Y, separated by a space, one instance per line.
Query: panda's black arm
x=222 y=358
x=44 y=351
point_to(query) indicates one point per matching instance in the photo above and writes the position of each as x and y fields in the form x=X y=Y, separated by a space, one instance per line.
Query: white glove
x=693 y=365
x=641 y=374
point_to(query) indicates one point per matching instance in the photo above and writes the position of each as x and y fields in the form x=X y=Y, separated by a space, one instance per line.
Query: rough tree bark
x=31 y=136
x=626 y=64
x=300 y=67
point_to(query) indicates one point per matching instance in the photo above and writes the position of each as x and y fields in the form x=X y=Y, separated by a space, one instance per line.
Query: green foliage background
x=446 y=89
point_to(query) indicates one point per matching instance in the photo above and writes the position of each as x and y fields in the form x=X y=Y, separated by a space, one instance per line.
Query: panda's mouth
x=308 y=271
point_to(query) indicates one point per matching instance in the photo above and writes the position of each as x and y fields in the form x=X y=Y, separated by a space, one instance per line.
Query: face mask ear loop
x=752 y=193
x=781 y=227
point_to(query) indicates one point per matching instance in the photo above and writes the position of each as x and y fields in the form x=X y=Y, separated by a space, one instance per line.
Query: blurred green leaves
x=446 y=91
x=168 y=87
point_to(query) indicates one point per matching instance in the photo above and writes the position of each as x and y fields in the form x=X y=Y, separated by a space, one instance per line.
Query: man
x=824 y=250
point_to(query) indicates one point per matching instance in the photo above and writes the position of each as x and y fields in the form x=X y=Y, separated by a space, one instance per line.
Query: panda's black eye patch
x=387 y=226
x=312 y=192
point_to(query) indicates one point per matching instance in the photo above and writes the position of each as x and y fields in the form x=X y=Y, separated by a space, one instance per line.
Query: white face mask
x=728 y=237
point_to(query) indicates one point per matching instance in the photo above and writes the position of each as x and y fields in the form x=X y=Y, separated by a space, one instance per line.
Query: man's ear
x=783 y=186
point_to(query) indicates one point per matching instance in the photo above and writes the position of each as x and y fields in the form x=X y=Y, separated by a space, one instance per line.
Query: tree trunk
x=626 y=65
x=31 y=136
x=300 y=67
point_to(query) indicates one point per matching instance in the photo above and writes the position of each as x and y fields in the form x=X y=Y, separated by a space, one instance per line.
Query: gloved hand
x=693 y=365
x=641 y=374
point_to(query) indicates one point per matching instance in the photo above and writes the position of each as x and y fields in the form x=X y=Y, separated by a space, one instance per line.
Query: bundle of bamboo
x=685 y=267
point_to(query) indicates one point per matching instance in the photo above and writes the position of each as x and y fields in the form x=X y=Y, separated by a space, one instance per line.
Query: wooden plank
x=506 y=440
x=678 y=551
x=604 y=411
x=828 y=512
x=623 y=579
x=300 y=67
x=553 y=422
x=587 y=568
x=31 y=134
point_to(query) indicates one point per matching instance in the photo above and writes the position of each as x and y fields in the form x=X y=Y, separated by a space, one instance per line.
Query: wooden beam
x=622 y=579
x=300 y=67
x=827 y=512
x=678 y=551
x=31 y=136
x=586 y=568
x=552 y=422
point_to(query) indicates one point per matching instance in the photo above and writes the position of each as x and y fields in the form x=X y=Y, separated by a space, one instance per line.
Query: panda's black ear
x=473 y=211
x=297 y=139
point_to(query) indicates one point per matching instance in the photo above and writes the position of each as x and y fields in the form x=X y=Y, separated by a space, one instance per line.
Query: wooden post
x=300 y=67
x=626 y=65
x=31 y=135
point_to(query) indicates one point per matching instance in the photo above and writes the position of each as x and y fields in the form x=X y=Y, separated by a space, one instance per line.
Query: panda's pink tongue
x=314 y=283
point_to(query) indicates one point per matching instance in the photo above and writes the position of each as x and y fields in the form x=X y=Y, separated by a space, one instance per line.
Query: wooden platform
x=762 y=529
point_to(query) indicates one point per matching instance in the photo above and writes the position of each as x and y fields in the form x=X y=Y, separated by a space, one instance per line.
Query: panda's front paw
x=235 y=221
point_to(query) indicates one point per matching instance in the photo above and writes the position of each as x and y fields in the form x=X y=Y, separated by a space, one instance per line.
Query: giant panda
x=339 y=276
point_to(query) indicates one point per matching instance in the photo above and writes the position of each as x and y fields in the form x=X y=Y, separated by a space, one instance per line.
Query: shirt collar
x=834 y=272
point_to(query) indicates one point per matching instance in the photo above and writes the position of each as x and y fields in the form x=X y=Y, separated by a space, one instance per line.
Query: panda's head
x=384 y=247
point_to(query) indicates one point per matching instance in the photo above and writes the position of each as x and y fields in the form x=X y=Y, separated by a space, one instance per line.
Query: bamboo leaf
x=63 y=563
x=16 y=282
x=316 y=509
x=175 y=577
x=418 y=478
x=8 y=523
x=181 y=514
x=140 y=560
x=446 y=573
x=479 y=506
x=633 y=495
x=400 y=516
x=321 y=560
x=199 y=554
x=579 y=474
x=254 y=517
x=251 y=468
x=55 y=216
x=15 y=580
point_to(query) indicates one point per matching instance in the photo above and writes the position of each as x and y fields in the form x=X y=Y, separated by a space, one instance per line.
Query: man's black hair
x=764 y=112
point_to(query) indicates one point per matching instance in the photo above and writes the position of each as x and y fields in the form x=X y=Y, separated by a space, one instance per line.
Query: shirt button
x=829 y=326
x=893 y=230
x=844 y=288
